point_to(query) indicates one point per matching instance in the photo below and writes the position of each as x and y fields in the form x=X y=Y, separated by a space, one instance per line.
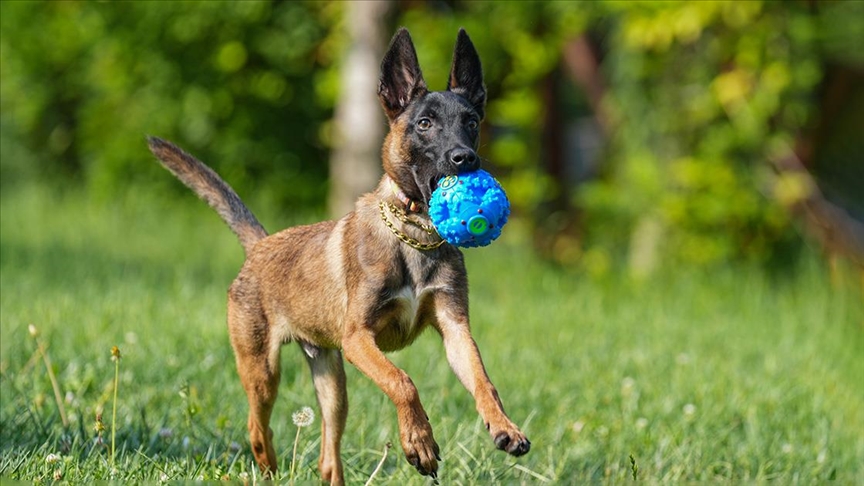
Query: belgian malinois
x=370 y=282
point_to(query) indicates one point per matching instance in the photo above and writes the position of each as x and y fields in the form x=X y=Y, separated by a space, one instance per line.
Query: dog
x=368 y=283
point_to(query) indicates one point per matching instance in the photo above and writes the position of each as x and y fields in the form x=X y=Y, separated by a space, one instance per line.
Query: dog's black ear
x=401 y=80
x=466 y=74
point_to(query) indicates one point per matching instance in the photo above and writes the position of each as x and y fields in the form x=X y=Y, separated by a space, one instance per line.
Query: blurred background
x=628 y=136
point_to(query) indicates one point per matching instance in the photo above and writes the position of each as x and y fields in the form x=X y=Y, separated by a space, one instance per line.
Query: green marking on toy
x=478 y=225
x=448 y=182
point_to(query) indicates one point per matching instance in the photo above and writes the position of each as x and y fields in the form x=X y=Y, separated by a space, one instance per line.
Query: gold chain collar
x=412 y=242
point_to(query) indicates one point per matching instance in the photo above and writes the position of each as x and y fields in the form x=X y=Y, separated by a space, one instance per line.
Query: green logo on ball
x=449 y=182
x=478 y=225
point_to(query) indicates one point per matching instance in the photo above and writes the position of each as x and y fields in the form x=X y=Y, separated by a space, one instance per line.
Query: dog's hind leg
x=261 y=392
x=258 y=366
x=328 y=375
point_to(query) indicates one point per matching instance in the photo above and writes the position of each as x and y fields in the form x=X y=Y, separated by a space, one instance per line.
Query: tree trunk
x=355 y=162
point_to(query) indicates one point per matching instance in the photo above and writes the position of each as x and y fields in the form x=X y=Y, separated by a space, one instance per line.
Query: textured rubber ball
x=469 y=209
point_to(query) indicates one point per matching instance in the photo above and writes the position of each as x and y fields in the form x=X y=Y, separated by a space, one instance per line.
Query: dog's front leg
x=464 y=358
x=415 y=433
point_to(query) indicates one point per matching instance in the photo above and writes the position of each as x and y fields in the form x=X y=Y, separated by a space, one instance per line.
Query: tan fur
x=345 y=287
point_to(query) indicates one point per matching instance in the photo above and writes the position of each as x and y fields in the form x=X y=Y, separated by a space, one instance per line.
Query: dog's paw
x=511 y=440
x=420 y=447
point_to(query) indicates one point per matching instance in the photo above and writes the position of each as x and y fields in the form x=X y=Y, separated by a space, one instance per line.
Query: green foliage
x=233 y=83
x=729 y=375
x=704 y=94
x=698 y=96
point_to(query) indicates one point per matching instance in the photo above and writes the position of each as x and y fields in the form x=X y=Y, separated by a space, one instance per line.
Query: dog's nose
x=464 y=159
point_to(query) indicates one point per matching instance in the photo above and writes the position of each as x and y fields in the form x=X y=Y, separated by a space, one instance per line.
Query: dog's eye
x=424 y=124
x=472 y=124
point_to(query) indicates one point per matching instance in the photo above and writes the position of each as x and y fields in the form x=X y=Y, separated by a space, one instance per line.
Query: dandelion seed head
x=52 y=458
x=641 y=423
x=303 y=417
x=689 y=410
x=823 y=454
x=33 y=331
x=627 y=385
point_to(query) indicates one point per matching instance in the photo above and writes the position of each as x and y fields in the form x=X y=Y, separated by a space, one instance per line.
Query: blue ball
x=469 y=209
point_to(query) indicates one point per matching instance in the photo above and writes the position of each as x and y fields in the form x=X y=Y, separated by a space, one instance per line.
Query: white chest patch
x=409 y=303
x=404 y=319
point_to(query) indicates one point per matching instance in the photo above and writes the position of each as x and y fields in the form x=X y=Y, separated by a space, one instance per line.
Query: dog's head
x=432 y=133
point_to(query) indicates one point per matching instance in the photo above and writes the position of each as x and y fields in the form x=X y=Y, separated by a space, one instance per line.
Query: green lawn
x=730 y=374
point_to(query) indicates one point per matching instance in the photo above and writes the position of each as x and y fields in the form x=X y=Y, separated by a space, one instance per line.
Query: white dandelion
x=303 y=417
x=689 y=410
x=627 y=385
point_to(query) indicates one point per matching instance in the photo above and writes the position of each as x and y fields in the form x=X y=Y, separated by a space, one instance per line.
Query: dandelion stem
x=294 y=454
x=302 y=418
x=115 y=356
x=58 y=397
x=380 y=464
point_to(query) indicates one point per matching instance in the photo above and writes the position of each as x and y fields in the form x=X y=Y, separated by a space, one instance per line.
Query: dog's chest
x=405 y=314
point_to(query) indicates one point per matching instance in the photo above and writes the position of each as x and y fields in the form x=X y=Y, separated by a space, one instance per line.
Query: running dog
x=370 y=282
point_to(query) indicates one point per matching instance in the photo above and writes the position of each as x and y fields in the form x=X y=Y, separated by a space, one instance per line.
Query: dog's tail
x=212 y=189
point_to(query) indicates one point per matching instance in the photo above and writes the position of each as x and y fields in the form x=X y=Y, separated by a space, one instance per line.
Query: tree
x=355 y=160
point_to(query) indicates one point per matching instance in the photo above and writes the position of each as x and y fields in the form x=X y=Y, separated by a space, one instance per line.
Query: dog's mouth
x=433 y=183
x=427 y=187
x=426 y=181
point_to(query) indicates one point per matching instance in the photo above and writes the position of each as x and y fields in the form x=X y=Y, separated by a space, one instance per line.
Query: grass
x=736 y=374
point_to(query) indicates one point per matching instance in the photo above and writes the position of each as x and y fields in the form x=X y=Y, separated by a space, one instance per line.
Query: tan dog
x=369 y=282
